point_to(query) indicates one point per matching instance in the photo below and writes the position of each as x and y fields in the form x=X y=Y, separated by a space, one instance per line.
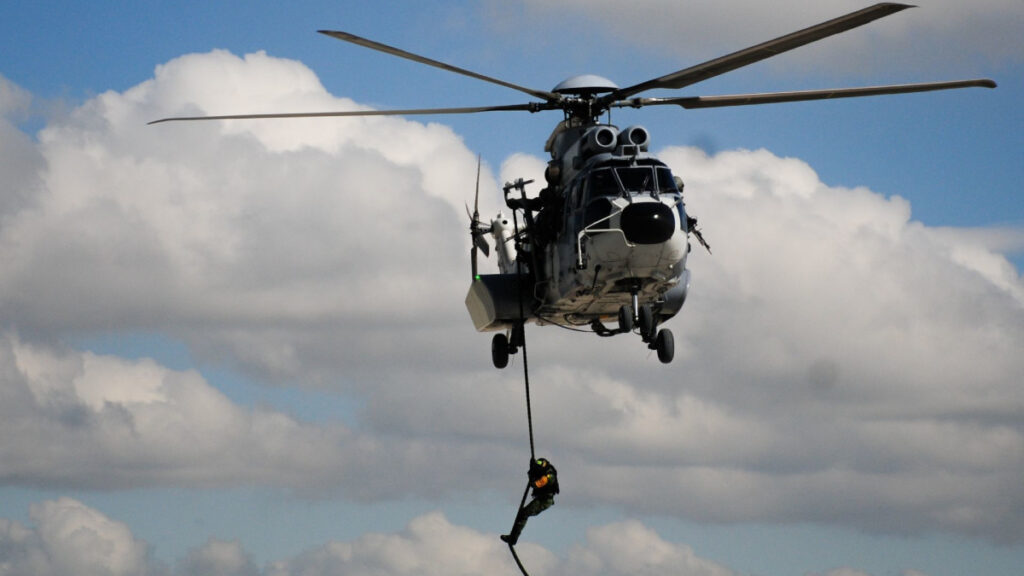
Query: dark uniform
x=548 y=206
x=544 y=483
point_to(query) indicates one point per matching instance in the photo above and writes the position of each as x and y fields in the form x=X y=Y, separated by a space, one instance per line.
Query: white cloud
x=264 y=225
x=13 y=98
x=68 y=537
x=79 y=419
x=834 y=355
x=91 y=421
x=432 y=545
x=632 y=548
x=20 y=162
x=219 y=558
x=429 y=545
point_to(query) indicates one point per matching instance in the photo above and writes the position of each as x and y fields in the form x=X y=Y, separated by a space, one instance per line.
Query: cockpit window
x=603 y=183
x=666 y=183
x=637 y=179
x=607 y=182
x=613 y=181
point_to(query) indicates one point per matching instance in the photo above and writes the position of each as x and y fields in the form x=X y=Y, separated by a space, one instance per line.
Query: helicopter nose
x=648 y=223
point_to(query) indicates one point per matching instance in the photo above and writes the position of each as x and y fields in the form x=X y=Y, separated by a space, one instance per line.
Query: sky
x=241 y=348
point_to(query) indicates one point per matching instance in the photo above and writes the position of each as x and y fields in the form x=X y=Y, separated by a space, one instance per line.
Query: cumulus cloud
x=82 y=420
x=20 y=162
x=429 y=545
x=836 y=362
x=837 y=359
x=79 y=419
x=200 y=227
x=70 y=538
x=632 y=548
x=432 y=545
x=219 y=558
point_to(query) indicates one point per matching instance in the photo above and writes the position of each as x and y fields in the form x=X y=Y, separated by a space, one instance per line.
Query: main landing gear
x=646 y=324
x=660 y=340
x=502 y=346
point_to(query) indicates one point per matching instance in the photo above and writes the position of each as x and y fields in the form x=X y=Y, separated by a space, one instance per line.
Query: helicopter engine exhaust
x=600 y=139
x=635 y=136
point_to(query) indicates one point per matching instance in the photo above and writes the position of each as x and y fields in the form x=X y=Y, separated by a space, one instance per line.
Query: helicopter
x=607 y=237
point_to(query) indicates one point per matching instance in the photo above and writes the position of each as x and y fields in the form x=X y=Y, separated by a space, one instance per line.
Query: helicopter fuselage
x=624 y=233
x=610 y=231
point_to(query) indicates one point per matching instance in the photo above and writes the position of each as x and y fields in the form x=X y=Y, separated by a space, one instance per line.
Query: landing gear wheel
x=499 y=351
x=625 y=319
x=647 y=326
x=665 y=344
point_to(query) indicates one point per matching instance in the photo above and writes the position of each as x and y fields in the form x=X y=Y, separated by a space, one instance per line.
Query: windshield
x=637 y=179
x=666 y=182
x=610 y=182
x=603 y=183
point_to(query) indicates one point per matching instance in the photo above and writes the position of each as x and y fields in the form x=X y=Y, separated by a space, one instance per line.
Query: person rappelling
x=544 y=484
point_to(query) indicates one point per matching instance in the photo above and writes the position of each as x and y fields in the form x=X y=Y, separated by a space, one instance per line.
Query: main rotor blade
x=542 y=94
x=803 y=95
x=476 y=198
x=748 y=56
x=532 y=107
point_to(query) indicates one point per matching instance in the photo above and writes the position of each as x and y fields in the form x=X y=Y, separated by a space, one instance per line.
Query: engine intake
x=600 y=139
x=635 y=136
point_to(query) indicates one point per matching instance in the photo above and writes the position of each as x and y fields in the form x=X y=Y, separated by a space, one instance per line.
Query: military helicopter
x=607 y=237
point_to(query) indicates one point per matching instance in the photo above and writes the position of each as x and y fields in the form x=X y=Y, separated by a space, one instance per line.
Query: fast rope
x=518 y=561
x=529 y=424
x=526 y=380
x=520 y=335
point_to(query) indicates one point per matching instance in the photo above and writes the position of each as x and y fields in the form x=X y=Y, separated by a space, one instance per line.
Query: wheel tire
x=499 y=351
x=646 y=323
x=626 y=318
x=665 y=343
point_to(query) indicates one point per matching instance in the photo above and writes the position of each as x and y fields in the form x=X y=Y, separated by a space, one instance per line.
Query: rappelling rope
x=522 y=334
x=526 y=380
x=521 y=329
x=529 y=424
x=518 y=562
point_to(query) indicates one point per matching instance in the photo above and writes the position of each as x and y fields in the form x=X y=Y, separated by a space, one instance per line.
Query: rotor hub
x=585 y=85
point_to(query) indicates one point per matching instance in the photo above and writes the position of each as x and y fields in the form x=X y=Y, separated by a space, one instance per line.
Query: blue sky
x=240 y=348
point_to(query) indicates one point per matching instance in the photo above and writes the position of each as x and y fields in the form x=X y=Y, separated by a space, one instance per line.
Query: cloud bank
x=68 y=538
x=837 y=362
